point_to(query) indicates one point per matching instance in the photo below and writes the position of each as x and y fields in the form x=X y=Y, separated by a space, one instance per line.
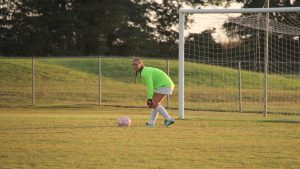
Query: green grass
x=89 y=138
x=67 y=129
x=74 y=82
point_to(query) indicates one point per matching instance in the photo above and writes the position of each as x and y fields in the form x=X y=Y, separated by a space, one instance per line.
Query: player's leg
x=157 y=99
x=152 y=119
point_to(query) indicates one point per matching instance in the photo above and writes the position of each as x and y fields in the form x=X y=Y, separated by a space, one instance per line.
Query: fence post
x=33 y=81
x=240 y=87
x=99 y=81
x=266 y=63
x=168 y=72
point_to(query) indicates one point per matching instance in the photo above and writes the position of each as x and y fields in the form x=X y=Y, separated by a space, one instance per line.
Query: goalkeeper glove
x=149 y=102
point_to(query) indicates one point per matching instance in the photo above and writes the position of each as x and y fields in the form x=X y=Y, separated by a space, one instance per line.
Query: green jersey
x=154 y=78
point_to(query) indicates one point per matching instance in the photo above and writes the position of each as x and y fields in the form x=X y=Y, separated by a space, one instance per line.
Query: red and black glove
x=149 y=102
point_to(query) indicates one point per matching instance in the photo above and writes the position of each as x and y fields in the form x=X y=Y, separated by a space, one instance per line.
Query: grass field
x=67 y=129
x=89 y=138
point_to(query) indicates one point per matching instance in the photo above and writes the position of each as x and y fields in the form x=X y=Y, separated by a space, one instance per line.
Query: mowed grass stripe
x=89 y=138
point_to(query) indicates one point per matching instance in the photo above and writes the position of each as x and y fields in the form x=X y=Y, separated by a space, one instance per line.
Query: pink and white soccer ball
x=124 y=121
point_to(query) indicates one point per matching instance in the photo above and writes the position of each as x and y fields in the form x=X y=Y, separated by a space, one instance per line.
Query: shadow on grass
x=54 y=106
x=42 y=129
x=279 y=121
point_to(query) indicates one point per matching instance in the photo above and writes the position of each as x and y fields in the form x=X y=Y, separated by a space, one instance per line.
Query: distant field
x=74 y=82
x=89 y=138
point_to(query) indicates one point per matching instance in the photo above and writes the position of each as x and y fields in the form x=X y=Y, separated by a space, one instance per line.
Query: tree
x=35 y=27
x=95 y=27
x=73 y=27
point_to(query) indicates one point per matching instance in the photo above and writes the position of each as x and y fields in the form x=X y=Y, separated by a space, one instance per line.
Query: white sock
x=163 y=112
x=153 y=116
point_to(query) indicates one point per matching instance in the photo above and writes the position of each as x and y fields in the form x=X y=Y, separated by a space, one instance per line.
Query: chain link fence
x=73 y=82
x=110 y=81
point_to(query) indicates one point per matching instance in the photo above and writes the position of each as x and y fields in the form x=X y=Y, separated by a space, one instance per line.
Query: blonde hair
x=139 y=60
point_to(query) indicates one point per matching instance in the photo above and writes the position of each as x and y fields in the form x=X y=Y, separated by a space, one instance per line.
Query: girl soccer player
x=158 y=85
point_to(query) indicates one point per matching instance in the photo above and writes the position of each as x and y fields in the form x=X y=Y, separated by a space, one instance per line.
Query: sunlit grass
x=68 y=129
x=89 y=138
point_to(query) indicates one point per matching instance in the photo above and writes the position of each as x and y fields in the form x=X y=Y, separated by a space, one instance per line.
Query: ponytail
x=138 y=73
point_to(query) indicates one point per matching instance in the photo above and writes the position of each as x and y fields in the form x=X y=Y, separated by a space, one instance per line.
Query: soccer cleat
x=149 y=125
x=169 y=122
x=165 y=120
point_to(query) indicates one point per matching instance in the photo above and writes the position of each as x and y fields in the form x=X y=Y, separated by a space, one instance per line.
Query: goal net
x=245 y=60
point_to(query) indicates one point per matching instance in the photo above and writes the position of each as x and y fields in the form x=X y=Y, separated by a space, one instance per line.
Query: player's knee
x=154 y=105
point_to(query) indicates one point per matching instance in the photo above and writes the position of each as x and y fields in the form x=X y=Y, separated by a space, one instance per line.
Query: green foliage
x=272 y=3
x=67 y=27
x=102 y=27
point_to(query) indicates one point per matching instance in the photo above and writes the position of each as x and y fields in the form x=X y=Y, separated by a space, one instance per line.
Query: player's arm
x=149 y=86
x=148 y=81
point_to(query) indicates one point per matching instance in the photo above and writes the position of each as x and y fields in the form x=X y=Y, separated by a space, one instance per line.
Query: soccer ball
x=124 y=121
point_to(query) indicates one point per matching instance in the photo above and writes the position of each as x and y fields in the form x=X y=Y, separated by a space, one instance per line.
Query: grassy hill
x=74 y=81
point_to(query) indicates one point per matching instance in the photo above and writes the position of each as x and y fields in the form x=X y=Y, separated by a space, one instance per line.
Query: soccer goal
x=239 y=60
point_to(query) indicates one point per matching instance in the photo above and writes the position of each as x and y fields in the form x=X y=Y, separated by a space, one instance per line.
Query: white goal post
x=265 y=27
